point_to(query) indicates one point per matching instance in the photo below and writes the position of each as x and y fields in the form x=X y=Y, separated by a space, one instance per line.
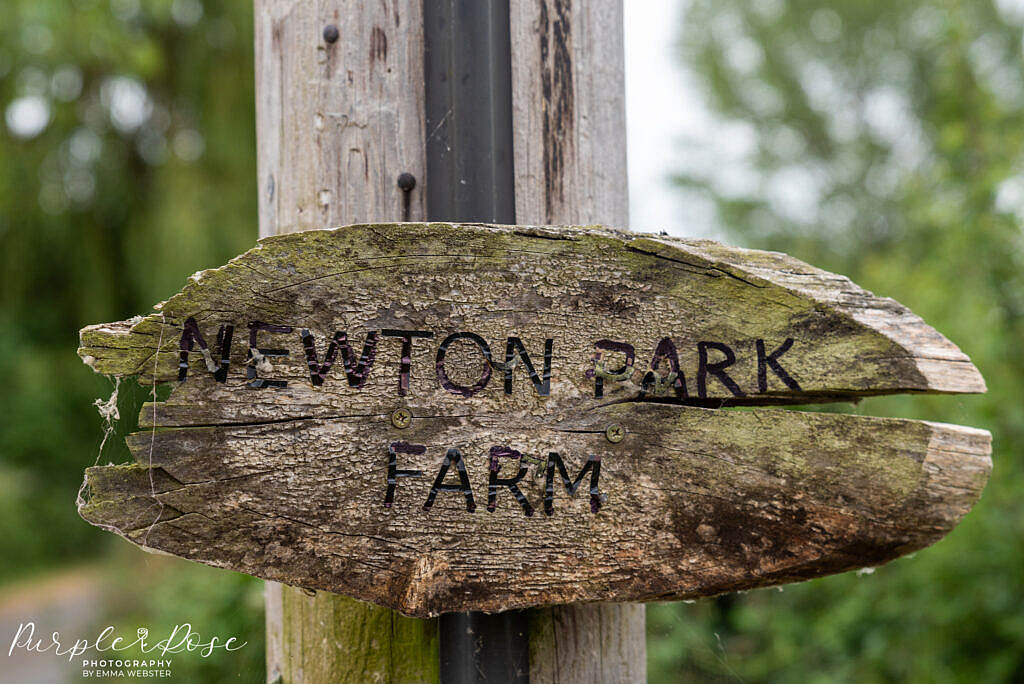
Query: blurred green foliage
x=161 y=593
x=127 y=162
x=885 y=141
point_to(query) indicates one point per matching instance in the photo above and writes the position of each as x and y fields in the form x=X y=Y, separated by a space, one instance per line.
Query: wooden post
x=339 y=110
x=340 y=115
x=569 y=138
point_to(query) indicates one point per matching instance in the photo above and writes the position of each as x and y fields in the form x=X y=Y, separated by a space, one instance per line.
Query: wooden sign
x=439 y=417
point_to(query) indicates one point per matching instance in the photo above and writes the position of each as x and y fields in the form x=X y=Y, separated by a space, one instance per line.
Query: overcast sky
x=663 y=110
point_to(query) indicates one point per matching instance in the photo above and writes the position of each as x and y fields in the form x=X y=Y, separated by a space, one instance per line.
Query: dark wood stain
x=378 y=45
x=559 y=97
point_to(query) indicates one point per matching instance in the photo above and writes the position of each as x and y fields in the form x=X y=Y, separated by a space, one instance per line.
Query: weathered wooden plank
x=273 y=455
x=588 y=642
x=692 y=502
x=727 y=314
x=338 y=121
x=569 y=105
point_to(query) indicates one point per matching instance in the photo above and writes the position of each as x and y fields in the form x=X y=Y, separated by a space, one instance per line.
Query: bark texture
x=290 y=483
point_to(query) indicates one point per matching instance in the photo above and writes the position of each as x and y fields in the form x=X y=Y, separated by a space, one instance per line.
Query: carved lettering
x=191 y=335
x=512 y=483
x=716 y=369
x=454 y=456
x=259 y=359
x=764 y=362
x=516 y=347
x=600 y=372
x=405 y=362
x=394 y=473
x=593 y=465
x=485 y=375
x=672 y=379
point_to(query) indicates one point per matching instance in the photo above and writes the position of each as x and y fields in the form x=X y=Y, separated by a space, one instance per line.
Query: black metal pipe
x=468 y=70
x=477 y=647
x=469 y=110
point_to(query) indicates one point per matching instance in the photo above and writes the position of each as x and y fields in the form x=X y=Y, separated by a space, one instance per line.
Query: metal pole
x=469 y=111
x=470 y=178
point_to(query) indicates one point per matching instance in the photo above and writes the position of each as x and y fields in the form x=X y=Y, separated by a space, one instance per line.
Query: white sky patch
x=1010 y=196
x=127 y=101
x=744 y=55
x=666 y=123
x=28 y=116
x=818 y=82
x=1012 y=10
x=887 y=113
x=794 y=193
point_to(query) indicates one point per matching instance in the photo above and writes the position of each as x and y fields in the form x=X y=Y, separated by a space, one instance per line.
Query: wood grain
x=574 y=286
x=693 y=502
x=568 y=101
x=336 y=124
x=290 y=483
x=569 y=149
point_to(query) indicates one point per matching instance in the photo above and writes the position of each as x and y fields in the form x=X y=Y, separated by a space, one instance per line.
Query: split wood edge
x=747 y=519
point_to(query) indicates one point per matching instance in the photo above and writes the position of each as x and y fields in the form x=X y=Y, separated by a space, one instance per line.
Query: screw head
x=614 y=433
x=406 y=182
x=401 y=418
x=331 y=33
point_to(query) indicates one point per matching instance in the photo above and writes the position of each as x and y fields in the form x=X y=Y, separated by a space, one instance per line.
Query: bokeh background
x=882 y=140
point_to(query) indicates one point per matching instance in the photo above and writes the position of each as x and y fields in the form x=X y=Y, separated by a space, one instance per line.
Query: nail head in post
x=614 y=433
x=406 y=182
x=401 y=418
x=331 y=33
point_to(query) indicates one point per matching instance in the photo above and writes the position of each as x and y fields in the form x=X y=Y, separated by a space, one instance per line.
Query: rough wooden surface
x=693 y=502
x=336 y=124
x=569 y=145
x=568 y=100
x=290 y=483
x=323 y=630
x=572 y=286
x=588 y=642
